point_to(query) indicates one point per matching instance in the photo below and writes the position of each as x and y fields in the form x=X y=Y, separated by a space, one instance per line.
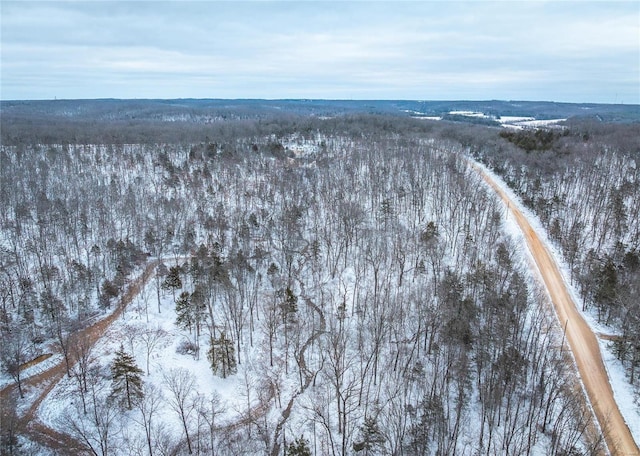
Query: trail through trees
x=36 y=430
x=308 y=376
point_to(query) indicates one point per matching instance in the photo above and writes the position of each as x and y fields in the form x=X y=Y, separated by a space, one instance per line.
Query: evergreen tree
x=371 y=437
x=126 y=379
x=172 y=281
x=198 y=306
x=184 y=318
x=289 y=306
x=299 y=447
x=429 y=233
x=607 y=293
x=221 y=355
x=191 y=310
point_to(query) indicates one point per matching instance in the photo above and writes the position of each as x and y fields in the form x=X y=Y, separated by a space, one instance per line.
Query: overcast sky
x=574 y=51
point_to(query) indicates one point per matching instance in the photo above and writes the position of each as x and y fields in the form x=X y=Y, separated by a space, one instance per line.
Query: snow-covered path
x=581 y=338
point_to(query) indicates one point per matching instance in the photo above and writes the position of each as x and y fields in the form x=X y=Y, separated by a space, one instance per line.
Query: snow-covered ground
x=479 y=115
x=513 y=122
x=32 y=370
x=628 y=402
x=235 y=391
x=348 y=290
x=524 y=122
x=300 y=147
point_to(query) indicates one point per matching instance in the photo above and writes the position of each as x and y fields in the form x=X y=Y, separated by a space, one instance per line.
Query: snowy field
x=511 y=122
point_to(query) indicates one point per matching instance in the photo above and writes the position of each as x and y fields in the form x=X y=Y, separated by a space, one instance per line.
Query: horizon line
x=306 y=99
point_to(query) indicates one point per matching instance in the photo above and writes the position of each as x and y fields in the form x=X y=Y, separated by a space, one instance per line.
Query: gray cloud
x=565 y=51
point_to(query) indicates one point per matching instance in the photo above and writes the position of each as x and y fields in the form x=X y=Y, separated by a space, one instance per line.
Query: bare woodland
x=583 y=185
x=360 y=267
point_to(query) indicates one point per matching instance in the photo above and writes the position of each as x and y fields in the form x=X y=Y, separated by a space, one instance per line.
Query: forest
x=307 y=285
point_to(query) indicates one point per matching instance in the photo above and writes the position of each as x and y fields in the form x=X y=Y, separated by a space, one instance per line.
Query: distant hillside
x=206 y=110
x=111 y=121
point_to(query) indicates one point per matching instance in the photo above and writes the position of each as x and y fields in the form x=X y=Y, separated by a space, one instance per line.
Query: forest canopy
x=346 y=271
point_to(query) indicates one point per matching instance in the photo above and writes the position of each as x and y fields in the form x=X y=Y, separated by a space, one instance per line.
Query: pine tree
x=173 y=281
x=289 y=306
x=109 y=291
x=222 y=356
x=191 y=310
x=299 y=447
x=126 y=379
x=183 y=311
x=371 y=437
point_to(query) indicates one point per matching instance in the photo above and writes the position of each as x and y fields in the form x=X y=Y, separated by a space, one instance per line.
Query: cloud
x=526 y=50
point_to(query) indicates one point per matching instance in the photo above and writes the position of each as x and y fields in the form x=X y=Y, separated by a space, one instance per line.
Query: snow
x=33 y=370
x=623 y=391
x=427 y=117
x=520 y=123
x=513 y=119
x=541 y=123
x=232 y=390
x=300 y=147
x=513 y=122
x=480 y=115
x=628 y=402
x=245 y=389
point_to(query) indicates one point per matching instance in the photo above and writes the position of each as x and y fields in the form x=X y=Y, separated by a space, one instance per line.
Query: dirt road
x=582 y=340
x=48 y=379
x=28 y=424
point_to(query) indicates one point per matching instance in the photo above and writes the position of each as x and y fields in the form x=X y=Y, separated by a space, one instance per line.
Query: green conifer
x=183 y=311
x=126 y=379
x=172 y=281
x=299 y=447
x=222 y=356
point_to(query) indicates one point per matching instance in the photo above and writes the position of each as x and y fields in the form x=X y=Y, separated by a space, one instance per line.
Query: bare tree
x=182 y=387
x=81 y=351
x=208 y=409
x=14 y=353
x=149 y=406
x=152 y=338
x=9 y=430
x=97 y=429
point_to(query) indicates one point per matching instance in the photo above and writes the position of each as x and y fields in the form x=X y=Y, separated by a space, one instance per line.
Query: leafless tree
x=149 y=407
x=152 y=338
x=182 y=387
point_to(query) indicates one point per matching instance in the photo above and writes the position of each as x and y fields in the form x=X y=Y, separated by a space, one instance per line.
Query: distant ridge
x=160 y=109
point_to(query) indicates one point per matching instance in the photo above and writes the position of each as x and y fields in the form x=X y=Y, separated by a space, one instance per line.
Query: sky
x=569 y=51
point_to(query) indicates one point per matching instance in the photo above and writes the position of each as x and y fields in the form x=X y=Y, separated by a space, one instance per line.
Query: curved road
x=582 y=340
x=50 y=438
x=49 y=378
